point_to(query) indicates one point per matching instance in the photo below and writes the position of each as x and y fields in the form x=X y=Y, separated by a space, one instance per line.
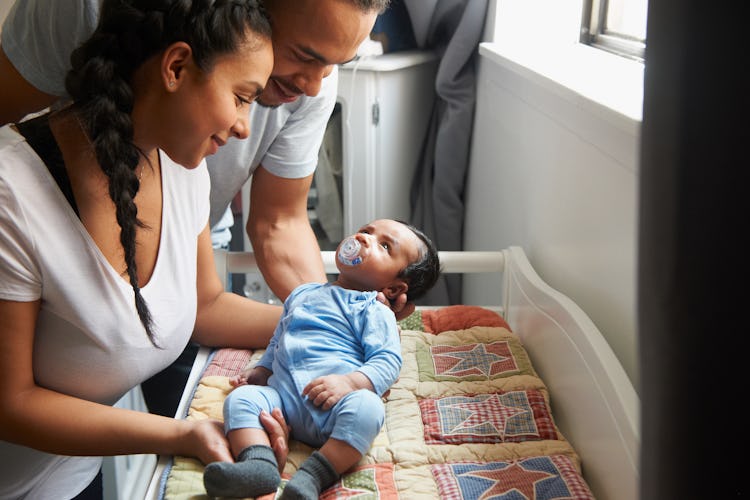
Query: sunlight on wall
x=542 y=36
x=531 y=23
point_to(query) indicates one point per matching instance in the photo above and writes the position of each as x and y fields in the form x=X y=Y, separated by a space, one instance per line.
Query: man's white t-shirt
x=89 y=341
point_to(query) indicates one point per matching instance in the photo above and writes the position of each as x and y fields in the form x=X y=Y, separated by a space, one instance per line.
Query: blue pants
x=356 y=419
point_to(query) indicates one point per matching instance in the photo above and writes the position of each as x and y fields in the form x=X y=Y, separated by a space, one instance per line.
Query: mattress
x=468 y=418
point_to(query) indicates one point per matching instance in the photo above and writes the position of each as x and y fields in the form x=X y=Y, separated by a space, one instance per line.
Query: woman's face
x=214 y=106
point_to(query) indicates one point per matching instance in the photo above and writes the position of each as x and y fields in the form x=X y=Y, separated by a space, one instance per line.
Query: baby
x=335 y=352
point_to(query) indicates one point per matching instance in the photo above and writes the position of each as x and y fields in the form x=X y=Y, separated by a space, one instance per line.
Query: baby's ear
x=395 y=289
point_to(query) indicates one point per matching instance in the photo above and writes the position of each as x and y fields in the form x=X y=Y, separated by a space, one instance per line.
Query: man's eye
x=304 y=58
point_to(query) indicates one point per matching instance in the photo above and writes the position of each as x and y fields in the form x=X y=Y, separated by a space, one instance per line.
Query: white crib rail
x=451 y=262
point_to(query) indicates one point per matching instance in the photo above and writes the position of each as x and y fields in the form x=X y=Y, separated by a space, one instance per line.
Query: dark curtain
x=693 y=263
x=437 y=190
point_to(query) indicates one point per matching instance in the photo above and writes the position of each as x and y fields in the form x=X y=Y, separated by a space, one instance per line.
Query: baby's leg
x=356 y=421
x=256 y=471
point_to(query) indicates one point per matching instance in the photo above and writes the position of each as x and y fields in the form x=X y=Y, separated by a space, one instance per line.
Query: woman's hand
x=208 y=442
x=278 y=434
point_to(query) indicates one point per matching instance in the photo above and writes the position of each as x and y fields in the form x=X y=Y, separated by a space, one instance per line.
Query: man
x=310 y=37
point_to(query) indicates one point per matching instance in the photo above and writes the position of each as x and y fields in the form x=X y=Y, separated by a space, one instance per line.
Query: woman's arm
x=226 y=319
x=46 y=420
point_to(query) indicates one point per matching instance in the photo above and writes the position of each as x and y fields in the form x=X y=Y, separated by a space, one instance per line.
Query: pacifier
x=348 y=253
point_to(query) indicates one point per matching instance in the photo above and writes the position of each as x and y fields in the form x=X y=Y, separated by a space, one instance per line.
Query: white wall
x=555 y=171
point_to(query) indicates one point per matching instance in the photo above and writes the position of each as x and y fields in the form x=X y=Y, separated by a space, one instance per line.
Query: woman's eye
x=241 y=101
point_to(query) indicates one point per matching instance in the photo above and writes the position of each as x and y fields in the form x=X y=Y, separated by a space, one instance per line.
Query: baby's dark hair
x=424 y=273
x=128 y=34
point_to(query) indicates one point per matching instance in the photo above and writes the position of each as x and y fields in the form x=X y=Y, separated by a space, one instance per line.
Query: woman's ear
x=395 y=289
x=174 y=61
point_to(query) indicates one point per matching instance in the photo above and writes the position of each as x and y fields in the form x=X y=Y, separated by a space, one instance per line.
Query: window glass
x=616 y=25
x=627 y=18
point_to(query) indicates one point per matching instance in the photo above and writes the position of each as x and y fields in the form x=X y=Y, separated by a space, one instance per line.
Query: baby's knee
x=359 y=419
x=368 y=408
x=243 y=406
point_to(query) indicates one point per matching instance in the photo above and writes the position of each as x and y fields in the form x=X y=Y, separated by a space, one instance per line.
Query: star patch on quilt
x=513 y=416
x=366 y=482
x=472 y=361
x=486 y=360
x=538 y=478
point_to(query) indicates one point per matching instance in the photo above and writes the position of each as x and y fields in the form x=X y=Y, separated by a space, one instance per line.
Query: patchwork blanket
x=469 y=418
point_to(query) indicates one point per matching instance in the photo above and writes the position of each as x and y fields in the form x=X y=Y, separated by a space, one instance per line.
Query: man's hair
x=369 y=5
x=424 y=273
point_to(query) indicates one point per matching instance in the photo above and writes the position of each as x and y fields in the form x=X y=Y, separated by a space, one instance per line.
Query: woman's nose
x=241 y=128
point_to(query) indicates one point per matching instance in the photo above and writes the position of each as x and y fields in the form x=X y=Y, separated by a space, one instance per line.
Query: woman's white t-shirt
x=89 y=341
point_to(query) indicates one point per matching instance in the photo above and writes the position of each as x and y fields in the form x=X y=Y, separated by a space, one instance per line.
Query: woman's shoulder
x=10 y=138
x=18 y=163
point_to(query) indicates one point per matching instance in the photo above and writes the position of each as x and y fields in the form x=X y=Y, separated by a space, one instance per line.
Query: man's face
x=309 y=37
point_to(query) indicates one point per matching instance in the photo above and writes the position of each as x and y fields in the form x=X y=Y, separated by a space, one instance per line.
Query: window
x=618 y=26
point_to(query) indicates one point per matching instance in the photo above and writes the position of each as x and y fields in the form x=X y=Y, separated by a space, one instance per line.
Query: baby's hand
x=252 y=376
x=328 y=390
x=240 y=378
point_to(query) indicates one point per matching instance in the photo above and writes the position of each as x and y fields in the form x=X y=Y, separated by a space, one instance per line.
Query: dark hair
x=369 y=5
x=129 y=33
x=424 y=273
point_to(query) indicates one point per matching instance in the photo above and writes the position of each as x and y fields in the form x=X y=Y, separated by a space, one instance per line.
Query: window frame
x=594 y=32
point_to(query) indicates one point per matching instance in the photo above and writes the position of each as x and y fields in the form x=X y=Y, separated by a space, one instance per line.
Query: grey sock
x=255 y=473
x=314 y=475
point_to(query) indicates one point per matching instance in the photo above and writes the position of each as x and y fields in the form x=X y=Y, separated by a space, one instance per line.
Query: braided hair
x=128 y=34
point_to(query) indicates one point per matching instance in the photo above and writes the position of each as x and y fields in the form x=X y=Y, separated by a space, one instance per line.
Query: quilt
x=468 y=418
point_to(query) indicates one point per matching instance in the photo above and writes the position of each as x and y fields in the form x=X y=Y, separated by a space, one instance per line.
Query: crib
x=592 y=429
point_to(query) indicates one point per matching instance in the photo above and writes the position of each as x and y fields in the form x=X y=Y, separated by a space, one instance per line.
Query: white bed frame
x=593 y=402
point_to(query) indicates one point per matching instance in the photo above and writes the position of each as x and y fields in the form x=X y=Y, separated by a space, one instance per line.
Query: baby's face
x=387 y=248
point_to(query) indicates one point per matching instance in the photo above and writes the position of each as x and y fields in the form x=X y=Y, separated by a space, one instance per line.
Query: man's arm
x=284 y=243
x=18 y=97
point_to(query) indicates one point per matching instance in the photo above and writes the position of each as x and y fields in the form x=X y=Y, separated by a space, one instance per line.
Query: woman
x=106 y=266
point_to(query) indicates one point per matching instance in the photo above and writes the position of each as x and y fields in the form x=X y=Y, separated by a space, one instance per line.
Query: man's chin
x=274 y=96
x=259 y=101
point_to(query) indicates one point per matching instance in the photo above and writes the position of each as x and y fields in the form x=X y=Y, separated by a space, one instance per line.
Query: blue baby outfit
x=324 y=329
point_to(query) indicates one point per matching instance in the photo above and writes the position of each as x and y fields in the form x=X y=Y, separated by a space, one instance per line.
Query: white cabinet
x=386 y=102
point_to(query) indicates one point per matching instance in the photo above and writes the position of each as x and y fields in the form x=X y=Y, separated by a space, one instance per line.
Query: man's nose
x=312 y=79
